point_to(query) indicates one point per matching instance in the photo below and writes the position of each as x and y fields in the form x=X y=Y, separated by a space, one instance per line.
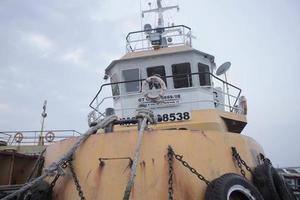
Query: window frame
x=162 y=77
x=204 y=79
x=115 y=79
x=137 y=82
x=188 y=78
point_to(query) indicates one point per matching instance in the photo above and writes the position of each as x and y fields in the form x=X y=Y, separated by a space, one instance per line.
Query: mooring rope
x=146 y=115
x=56 y=167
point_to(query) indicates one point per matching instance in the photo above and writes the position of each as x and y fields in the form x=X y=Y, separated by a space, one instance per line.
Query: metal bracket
x=102 y=163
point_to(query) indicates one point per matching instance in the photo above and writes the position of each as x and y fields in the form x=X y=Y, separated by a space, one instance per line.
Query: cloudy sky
x=57 y=50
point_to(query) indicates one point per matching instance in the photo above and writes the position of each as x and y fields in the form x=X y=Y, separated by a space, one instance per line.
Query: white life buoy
x=153 y=94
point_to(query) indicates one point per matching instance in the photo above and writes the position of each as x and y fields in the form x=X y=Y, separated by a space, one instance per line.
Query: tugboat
x=171 y=129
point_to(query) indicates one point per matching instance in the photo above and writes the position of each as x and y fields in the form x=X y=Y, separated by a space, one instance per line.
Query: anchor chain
x=265 y=159
x=240 y=162
x=64 y=165
x=187 y=165
x=78 y=187
x=171 y=171
x=52 y=184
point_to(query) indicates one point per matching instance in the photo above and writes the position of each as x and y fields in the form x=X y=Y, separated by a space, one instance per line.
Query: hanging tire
x=270 y=184
x=231 y=187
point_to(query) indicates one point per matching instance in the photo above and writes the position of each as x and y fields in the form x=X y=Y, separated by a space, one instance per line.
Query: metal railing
x=170 y=36
x=294 y=183
x=12 y=138
x=233 y=95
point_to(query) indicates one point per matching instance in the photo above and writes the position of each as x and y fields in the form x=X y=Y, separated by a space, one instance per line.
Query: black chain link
x=264 y=159
x=78 y=187
x=240 y=162
x=193 y=170
x=64 y=166
x=52 y=184
x=171 y=171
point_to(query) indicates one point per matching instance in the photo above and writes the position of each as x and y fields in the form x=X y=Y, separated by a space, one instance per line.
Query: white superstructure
x=167 y=53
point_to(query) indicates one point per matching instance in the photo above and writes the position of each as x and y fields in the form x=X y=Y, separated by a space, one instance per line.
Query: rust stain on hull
x=211 y=159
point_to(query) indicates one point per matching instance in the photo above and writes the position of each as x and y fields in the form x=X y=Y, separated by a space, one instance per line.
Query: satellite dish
x=223 y=68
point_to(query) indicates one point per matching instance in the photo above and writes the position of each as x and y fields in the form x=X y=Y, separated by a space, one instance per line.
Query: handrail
x=8 y=135
x=141 y=38
x=170 y=76
x=142 y=31
x=32 y=131
x=32 y=136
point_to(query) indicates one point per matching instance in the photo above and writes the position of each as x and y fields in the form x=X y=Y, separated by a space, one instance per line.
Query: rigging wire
x=167 y=14
x=141 y=17
x=170 y=15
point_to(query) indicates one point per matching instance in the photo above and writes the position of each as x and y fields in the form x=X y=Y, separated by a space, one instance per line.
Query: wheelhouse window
x=130 y=75
x=158 y=71
x=204 y=75
x=115 y=87
x=182 y=75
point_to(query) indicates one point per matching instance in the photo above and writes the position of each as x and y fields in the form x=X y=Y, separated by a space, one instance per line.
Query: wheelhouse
x=188 y=75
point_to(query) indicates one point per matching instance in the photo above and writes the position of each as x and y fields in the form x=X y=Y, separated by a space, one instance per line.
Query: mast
x=158 y=35
x=44 y=115
x=160 y=10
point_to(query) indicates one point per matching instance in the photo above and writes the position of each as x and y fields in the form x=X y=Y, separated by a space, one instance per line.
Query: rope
x=56 y=167
x=146 y=115
x=38 y=164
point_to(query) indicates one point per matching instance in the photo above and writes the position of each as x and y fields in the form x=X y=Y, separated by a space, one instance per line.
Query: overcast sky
x=57 y=50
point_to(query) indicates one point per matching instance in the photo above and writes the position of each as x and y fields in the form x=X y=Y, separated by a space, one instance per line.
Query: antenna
x=159 y=10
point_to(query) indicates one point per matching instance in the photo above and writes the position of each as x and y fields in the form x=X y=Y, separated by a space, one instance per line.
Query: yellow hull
x=209 y=152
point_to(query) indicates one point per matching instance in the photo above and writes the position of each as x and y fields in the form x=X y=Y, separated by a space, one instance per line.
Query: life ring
x=153 y=94
x=18 y=137
x=270 y=184
x=231 y=186
x=49 y=137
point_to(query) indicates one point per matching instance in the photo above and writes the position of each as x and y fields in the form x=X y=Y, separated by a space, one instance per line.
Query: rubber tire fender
x=220 y=187
x=39 y=191
x=270 y=184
